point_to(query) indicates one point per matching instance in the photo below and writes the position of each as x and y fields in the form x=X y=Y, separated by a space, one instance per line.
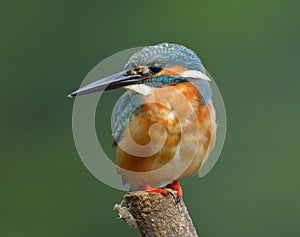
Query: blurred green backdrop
x=250 y=47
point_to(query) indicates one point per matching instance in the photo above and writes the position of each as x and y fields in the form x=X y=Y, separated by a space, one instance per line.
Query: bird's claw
x=171 y=194
x=176 y=186
x=164 y=191
x=178 y=200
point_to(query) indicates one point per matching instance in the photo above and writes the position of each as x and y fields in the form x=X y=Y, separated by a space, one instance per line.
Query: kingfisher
x=164 y=125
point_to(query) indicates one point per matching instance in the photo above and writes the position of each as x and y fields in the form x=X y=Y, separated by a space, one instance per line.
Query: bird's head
x=150 y=67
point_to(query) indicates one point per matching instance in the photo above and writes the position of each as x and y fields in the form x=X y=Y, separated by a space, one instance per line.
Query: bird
x=164 y=125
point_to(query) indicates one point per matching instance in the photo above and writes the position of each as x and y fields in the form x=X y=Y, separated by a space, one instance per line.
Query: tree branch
x=156 y=215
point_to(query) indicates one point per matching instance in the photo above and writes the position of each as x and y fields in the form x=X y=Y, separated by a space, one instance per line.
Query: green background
x=251 y=48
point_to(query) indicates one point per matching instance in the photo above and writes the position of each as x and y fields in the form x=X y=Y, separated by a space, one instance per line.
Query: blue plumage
x=163 y=80
x=168 y=54
x=125 y=107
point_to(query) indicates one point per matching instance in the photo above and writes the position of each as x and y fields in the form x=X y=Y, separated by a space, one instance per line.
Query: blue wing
x=204 y=89
x=123 y=111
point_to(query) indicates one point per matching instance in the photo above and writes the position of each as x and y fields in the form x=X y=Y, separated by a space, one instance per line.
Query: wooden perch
x=156 y=215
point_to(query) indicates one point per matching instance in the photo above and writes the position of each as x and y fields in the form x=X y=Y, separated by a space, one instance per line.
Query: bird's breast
x=171 y=131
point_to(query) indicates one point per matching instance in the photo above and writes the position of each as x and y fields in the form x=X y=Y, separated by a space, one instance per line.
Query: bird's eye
x=156 y=67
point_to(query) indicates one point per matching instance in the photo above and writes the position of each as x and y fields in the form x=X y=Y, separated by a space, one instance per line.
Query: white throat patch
x=140 y=88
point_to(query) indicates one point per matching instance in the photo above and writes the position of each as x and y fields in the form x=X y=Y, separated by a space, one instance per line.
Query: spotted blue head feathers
x=168 y=55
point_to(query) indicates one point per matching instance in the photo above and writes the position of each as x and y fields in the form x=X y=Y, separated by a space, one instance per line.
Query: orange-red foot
x=165 y=192
x=176 y=186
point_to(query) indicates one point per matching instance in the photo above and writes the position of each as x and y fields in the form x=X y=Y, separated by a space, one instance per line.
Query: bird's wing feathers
x=204 y=89
x=123 y=112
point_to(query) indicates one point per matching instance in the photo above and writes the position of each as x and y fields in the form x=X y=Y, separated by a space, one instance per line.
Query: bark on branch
x=156 y=215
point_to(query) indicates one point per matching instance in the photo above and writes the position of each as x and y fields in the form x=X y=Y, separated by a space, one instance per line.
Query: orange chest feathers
x=172 y=117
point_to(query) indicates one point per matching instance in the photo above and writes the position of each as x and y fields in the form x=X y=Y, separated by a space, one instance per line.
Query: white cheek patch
x=140 y=88
x=195 y=75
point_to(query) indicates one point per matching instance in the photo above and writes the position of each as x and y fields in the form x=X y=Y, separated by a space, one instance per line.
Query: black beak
x=114 y=81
